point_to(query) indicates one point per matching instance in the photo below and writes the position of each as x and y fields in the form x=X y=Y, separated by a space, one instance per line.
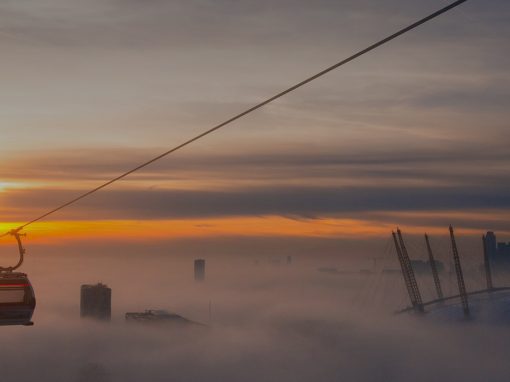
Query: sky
x=414 y=134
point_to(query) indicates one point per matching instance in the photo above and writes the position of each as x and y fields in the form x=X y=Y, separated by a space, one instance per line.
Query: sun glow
x=131 y=230
x=4 y=186
x=264 y=226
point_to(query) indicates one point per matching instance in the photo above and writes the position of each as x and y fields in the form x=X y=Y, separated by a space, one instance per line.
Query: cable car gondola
x=17 y=298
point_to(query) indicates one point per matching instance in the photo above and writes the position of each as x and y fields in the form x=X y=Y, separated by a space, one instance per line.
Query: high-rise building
x=199 y=270
x=96 y=302
x=504 y=250
x=491 y=243
x=498 y=252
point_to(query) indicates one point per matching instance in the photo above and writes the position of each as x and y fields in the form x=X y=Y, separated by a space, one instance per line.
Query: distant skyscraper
x=96 y=302
x=491 y=243
x=289 y=260
x=199 y=270
x=504 y=250
x=498 y=253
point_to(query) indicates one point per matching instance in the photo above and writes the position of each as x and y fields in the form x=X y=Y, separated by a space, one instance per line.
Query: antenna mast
x=460 y=276
x=404 y=271
x=433 y=267
x=410 y=271
x=407 y=272
x=487 y=264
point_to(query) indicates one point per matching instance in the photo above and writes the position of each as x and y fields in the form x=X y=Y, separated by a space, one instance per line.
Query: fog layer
x=266 y=321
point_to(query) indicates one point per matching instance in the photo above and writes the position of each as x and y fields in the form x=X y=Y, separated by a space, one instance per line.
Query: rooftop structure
x=489 y=305
x=158 y=316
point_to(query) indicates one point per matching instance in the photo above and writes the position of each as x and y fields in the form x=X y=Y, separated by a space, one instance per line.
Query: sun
x=8 y=185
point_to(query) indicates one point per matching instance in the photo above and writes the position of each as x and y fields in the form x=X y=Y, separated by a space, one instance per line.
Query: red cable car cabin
x=17 y=299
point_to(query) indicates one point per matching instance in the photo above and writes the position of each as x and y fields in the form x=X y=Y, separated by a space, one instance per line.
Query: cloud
x=133 y=23
x=316 y=184
x=466 y=163
x=294 y=201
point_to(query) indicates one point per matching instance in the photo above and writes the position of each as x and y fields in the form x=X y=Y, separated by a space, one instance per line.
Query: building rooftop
x=159 y=316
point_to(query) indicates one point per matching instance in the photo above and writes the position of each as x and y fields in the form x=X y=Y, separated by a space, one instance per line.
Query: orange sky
x=268 y=226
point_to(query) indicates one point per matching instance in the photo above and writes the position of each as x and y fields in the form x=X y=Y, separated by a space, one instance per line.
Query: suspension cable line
x=246 y=112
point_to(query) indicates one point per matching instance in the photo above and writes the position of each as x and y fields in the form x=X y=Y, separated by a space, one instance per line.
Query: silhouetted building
x=491 y=244
x=159 y=317
x=96 y=302
x=289 y=260
x=498 y=253
x=199 y=270
x=504 y=250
